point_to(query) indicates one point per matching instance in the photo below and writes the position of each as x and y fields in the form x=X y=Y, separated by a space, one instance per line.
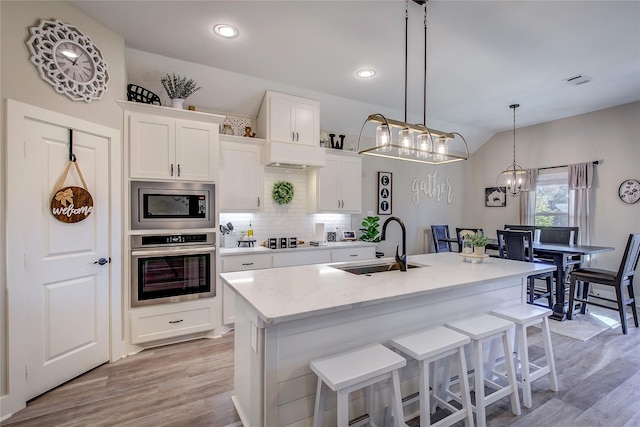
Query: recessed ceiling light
x=366 y=73
x=225 y=30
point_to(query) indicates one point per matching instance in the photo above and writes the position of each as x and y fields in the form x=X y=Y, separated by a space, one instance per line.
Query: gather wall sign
x=433 y=187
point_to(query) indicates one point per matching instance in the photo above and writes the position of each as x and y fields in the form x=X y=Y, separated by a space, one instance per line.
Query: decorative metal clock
x=68 y=60
x=629 y=191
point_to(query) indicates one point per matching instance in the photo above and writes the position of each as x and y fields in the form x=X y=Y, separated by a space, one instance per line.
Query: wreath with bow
x=282 y=192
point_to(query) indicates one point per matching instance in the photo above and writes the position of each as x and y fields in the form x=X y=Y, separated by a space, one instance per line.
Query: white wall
x=610 y=136
x=20 y=81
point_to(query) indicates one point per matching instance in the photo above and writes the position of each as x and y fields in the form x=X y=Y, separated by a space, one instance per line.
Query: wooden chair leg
x=549 y=280
x=621 y=310
x=532 y=284
x=572 y=291
x=586 y=289
x=632 y=299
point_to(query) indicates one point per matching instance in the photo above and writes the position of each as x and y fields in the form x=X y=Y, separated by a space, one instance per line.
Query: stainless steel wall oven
x=172 y=267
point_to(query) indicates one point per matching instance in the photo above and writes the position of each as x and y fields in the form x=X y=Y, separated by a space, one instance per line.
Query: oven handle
x=166 y=251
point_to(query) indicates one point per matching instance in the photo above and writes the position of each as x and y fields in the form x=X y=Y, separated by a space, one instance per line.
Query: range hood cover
x=288 y=155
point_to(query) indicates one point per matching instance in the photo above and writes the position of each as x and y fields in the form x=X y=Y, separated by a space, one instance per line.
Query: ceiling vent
x=578 y=79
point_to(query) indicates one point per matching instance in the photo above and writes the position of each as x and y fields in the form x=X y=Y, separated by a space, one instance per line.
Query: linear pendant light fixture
x=431 y=146
x=511 y=178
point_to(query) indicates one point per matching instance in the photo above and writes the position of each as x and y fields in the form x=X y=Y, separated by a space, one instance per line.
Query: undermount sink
x=373 y=268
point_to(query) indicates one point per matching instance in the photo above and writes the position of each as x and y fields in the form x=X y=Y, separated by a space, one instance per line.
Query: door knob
x=103 y=261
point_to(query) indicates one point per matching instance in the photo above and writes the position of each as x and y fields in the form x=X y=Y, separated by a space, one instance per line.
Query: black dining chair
x=439 y=233
x=623 y=278
x=461 y=232
x=562 y=235
x=518 y=246
x=513 y=227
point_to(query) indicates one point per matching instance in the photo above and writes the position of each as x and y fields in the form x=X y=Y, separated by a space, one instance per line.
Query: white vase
x=177 y=103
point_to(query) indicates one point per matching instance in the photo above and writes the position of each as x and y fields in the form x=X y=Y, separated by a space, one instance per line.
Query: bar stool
x=430 y=346
x=481 y=329
x=353 y=370
x=525 y=315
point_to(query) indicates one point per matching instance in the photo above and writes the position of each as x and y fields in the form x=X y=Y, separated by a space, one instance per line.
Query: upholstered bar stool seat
x=525 y=315
x=353 y=370
x=429 y=346
x=483 y=329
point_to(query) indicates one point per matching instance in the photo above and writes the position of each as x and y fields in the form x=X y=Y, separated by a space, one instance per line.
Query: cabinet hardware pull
x=178 y=170
x=247 y=263
x=353 y=255
x=297 y=136
x=171 y=169
x=293 y=136
x=176 y=321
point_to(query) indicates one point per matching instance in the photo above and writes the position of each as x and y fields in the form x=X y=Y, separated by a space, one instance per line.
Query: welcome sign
x=71 y=204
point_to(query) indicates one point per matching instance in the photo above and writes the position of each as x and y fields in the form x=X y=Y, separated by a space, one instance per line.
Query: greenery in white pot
x=179 y=87
x=370 y=229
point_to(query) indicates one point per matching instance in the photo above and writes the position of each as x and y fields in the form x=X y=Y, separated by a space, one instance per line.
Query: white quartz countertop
x=283 y=294
x=257 y=249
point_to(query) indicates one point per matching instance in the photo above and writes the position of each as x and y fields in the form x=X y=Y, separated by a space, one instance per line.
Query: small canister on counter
x=293 y=242
x=273 y=243
x=283 y=243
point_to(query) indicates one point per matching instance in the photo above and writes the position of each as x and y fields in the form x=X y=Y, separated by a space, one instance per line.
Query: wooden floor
x=190 y=384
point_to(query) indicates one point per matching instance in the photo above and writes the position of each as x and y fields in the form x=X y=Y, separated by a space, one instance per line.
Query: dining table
x=562 y=256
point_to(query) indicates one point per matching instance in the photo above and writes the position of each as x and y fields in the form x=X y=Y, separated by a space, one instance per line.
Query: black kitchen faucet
x=401 y=260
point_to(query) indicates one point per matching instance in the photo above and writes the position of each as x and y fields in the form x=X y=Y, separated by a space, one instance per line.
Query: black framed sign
x=384 y=193
x=495 y=197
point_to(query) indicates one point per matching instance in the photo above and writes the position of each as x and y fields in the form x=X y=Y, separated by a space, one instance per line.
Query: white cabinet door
x=152 y=146
x=195 y=151
x=289 y=259
x=337 y=187
x=163 y=147
x=241 y=177
x=287 y=118
x=282 y=120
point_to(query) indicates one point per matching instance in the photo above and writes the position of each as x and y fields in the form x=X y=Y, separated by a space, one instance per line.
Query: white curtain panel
x=528 y=198
x=580 y=181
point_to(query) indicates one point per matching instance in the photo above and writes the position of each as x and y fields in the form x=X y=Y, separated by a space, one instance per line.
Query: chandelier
x=511 y=178
x=430 y=146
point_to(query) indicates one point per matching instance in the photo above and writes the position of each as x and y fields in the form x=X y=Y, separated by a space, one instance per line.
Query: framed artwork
x=384 y=193
x=495 y=197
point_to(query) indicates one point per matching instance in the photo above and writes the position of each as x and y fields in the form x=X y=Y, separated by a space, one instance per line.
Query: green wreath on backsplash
x=282 y=192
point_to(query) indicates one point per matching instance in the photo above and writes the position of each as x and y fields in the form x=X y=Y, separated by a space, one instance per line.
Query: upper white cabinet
x=287 y=118
x=241 y=175
x=169 y=143
x=337 y=187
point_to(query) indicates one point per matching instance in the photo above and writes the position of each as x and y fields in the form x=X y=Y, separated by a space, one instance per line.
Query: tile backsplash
x=290 y=220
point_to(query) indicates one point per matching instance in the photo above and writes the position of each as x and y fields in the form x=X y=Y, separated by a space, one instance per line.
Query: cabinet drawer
x=288 y=259
x=164 y=322
x=245 y=262
x=351 y=254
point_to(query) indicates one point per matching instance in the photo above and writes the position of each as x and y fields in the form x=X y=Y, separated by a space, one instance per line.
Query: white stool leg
x=342 y=406
x=398 y=420
x=525 y=369
x=425 y=397
x=481 y=416
x=548 y=351
x=370 y=405
x=321 y=397
x=511 y=374
x=464 y=388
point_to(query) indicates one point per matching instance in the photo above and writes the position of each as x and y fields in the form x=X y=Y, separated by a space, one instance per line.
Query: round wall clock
x=629 y=191
x=68 y=60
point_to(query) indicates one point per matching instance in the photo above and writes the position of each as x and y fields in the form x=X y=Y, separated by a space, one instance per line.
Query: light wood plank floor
x=190 y=384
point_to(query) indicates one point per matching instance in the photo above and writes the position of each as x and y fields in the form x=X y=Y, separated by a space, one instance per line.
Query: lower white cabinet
x=239 y=263
x=171 y=320
x=353 y=254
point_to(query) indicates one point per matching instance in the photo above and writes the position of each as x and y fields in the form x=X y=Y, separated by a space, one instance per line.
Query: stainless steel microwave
x=172 y=205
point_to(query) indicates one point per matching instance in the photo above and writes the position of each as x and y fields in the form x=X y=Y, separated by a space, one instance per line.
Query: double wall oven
x=175 y=259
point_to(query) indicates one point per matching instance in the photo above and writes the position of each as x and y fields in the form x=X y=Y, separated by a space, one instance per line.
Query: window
x=552 y=199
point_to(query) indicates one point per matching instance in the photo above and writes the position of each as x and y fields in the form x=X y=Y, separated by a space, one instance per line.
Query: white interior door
x=67 y=292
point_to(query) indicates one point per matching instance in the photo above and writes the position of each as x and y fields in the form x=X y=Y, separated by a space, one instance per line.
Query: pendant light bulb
x=406 y=142
x=383 y=137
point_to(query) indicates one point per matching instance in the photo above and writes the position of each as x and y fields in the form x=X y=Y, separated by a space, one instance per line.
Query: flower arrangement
x=370 y=226
x=324 y=139
x=282 y=192
x=478 y=239
x=179 y=87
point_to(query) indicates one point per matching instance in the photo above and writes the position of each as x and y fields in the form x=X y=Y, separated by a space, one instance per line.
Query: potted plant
x=479 y=241
x=370 y=226
x=178 y=88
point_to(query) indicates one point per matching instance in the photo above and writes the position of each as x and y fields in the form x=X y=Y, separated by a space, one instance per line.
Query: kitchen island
x=286 y=317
